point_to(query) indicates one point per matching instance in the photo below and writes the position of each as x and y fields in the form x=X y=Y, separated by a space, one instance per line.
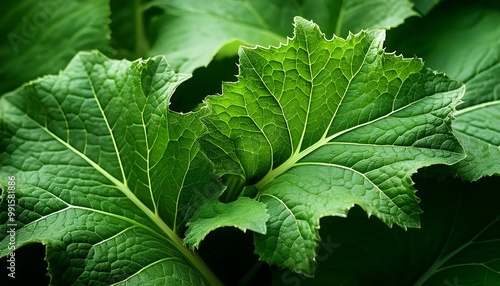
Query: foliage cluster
x=130 y=153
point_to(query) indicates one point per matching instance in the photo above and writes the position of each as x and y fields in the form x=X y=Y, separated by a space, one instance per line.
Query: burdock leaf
x=316 y=126
x=106 y=175
x=468 y=49
x=41 y=37
x=192 y=32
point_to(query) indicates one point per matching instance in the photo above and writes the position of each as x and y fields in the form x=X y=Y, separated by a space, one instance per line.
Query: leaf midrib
x=170 y=234
x=298 y=155
x=122 y=187
x=291 y=162
x=477 y=106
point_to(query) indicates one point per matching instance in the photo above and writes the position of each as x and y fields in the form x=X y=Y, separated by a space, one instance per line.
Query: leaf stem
x=340 y=19
x=197 y=262
x=141 y=42
x=235 y=185
x=290 y=162
x=190 y=255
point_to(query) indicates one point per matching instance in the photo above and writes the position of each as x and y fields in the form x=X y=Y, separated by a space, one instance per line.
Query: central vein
x=291 y=162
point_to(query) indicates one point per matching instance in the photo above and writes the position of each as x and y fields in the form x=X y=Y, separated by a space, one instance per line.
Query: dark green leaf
x=464 y=42
x=41 y=37
x=192 y=32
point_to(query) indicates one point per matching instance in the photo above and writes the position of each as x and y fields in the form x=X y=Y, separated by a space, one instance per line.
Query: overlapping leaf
x=106 y=175
x=458 y=243
x=468 y=48
x=41 y=37
x=317 y=126
x=425 y=6
x=192 y=32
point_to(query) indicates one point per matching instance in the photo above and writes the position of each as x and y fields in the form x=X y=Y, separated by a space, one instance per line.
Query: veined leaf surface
x=41 y=37
x=106 y=175
x=474 y=28
x=193 y=31
x=458 y=244
x=316 y=126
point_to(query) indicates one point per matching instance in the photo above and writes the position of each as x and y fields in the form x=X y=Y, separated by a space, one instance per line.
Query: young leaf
x=317 y=126
x=472 y=36
x=214 y=215
x=192 y=32
x=41 y=37
x=106 y=176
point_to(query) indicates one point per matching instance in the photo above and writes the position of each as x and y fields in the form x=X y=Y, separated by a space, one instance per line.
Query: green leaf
x=192 y=32
x=458 y=243
x=472 y=37
x=356 y=15
x=317 y=126
x=106 y=176
x=477 y=128
x=425 y=6
x=127 y=25
x=215 y=215
x=41 y=37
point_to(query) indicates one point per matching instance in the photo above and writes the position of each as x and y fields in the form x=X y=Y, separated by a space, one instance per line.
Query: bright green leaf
x=41 y=37
x=192 y=32
x=214 y=215
x=106 y=175
x=458 y=243
x=468 y=49
x=319 y=125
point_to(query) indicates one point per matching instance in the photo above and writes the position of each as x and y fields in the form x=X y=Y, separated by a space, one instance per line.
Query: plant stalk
x=235 y=185
x=141 y=41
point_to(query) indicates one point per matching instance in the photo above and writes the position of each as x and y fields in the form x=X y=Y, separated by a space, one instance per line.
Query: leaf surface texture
x=317 y=126
x=192 y=32
x=473 y=26
x=107 y=176
x=41 y=37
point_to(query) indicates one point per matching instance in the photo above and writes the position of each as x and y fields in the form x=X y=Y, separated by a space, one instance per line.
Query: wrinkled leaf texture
x=106 y=175
x=458 y=243
x=317 y=126
x=192 y=32
x=467 y=48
